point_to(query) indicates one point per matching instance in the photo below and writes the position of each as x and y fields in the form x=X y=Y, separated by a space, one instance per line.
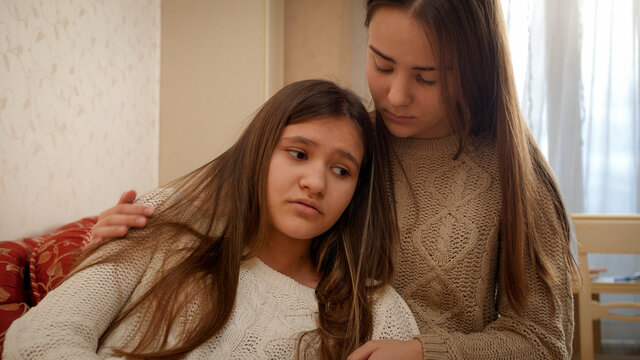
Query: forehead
x=397 y=34
x=331 y=133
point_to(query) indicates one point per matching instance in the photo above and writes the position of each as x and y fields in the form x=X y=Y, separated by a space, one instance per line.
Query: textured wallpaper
x=79 y=108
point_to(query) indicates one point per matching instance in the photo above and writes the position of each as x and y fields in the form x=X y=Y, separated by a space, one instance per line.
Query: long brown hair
x=221 y=206
x=479 y=95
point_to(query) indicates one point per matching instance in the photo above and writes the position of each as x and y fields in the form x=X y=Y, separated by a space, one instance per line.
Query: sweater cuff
x=434 y=346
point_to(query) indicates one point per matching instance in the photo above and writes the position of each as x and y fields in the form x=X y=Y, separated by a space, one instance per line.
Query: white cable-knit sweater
x=271 y=310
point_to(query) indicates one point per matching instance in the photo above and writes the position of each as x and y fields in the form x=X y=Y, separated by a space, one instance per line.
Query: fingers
x=123 y=220
x=115 y=226
x=117 y=220
x=127 y=197
x=125 y=205
x=102 y=233
x=128 y=209
x=364 y=351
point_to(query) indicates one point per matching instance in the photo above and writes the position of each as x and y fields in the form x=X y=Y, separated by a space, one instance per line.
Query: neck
x=291 y=257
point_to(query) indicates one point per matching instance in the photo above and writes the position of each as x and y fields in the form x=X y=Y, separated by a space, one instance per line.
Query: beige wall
x=88 y=109
x=326 y=39
x=79 y=99
x=220 y=59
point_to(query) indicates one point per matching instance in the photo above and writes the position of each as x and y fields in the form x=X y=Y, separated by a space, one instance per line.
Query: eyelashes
x=420 y=80
x=384 y=71
x=301 y=155
x=340 y=171
x=419 y=77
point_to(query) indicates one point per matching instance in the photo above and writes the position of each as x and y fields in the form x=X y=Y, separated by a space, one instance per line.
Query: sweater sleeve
x=392 y=318
x=69 y=321
x=543 y=331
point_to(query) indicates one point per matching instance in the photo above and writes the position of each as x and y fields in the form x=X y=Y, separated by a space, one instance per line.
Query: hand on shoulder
x=116 y=221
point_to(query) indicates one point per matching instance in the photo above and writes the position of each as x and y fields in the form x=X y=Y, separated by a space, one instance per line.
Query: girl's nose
x=399 y=92
x=314 y=179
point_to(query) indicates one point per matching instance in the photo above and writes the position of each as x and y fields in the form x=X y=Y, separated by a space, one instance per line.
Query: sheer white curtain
x=577 y=69
x=611 y=129
x=578 y=75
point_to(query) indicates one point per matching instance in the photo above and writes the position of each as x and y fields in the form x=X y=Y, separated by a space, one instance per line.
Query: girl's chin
x=399 y=130
x=407 y=131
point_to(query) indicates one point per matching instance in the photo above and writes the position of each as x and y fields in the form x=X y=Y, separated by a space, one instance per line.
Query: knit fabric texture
x=270 y=312
x=449 y=257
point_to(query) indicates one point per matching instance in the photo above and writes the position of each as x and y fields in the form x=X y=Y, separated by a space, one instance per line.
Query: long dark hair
x=470 y=40
x=221 y=206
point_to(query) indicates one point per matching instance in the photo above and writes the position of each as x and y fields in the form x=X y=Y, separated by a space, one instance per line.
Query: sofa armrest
x=15 y=288
x=31 y=267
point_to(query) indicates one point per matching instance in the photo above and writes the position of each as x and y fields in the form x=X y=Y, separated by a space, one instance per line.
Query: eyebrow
x=388 y=58
x=303 y=140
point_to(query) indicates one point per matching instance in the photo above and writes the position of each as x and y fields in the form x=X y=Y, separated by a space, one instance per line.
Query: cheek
x=373 y=76
x=274 y=181
x=431 y=102
x=376 y=85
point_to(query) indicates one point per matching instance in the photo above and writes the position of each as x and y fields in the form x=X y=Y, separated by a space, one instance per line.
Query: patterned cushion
x=54 y=256
x=14 y=295
x=48 y=259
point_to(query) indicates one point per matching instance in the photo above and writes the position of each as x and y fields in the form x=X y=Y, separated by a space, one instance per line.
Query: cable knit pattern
x=447 y=268
x=271 y=310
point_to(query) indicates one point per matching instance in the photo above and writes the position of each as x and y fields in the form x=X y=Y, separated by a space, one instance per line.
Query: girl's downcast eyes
x=385 y=70
x=421 y=80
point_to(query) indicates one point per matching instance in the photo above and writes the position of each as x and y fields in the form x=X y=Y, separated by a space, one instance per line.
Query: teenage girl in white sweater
x=278 y=247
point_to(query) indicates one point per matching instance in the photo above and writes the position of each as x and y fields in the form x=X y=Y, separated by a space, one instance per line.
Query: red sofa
x=31 y=267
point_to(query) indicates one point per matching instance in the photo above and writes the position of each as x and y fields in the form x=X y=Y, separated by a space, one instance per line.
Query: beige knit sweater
x=447 y=269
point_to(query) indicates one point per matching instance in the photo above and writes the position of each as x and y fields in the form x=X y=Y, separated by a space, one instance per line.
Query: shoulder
x=392 y=318
x=139 y=245
x=387 y=299
x=483 y=149
x=548 y=211
x=156 y=197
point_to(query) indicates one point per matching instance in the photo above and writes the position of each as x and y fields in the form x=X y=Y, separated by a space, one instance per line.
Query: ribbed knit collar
x=446 y=145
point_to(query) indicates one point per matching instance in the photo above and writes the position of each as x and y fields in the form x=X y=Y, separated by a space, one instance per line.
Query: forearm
x=493 y=344
x=66 y=324
x=543 y=331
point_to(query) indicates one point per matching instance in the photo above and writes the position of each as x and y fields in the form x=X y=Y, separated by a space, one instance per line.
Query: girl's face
x=312 y=176
x=403 y=76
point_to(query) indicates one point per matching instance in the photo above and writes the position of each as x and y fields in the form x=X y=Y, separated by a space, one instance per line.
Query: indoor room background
x=100 y=96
